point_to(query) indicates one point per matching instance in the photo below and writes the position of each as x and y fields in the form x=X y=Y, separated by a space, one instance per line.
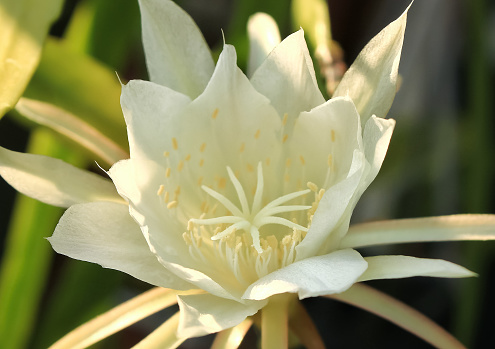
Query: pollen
x=257 y=134
x=222 y=182
x=166 y=154
x=288 y=162
x=188 y=157
x=313 y=187
x=160 y=190
x=180 y=166
x=203 y=147
x=215 y=114
x=175 y=145
x=267 y=161
x=167 y=172
x=172 y=204
x=250 y=168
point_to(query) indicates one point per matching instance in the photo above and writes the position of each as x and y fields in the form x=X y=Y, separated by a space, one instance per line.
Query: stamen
x=175 y=145
x=215 y=114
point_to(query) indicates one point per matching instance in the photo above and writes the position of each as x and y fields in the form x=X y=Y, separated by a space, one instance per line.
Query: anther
x=172 y=204
x=215 y=114
x=160 y=190
x=175 y=145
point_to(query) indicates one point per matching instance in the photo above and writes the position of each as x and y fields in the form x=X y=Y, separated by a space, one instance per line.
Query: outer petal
x=311 y=277
x=399 y=313
x=372 y=78
x=203 y=314
x=287 y=78
x=263 y=37
x=396 y=267
x=444 y=228
x=53 y=181
x=176 y=52
x=105 y=233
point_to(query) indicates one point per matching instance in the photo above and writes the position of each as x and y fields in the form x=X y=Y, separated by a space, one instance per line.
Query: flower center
x=251 y=219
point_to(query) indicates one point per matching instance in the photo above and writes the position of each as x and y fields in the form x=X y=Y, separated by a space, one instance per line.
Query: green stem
x=274 y=323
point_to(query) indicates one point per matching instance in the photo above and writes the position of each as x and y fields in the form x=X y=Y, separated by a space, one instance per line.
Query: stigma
x=250 y=218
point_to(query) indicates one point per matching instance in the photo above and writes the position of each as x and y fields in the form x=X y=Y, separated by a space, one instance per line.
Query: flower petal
x=263 y=37
x=311 y=277
x=402 y=315
x=177 y=55
x=117 y=318
x=165 y=336
x=148 y=109
x=396 y=267
x=326 y=138
x=372 y=78
x=203 y=314
x=105 y=233
x=53 y=181
x=232 y=337
x=287 y=78
x=443 y=228
x=376 y=138
x=331 y=220
x=72 y=127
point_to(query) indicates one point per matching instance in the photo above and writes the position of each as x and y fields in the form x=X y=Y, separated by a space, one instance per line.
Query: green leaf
x=82 y=86
x=24 y=25
x=27 y=257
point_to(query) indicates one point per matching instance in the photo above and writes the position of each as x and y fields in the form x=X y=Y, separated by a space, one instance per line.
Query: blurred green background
x=440 y=161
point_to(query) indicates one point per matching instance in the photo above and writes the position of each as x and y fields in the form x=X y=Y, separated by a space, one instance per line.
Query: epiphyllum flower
x=237 y=188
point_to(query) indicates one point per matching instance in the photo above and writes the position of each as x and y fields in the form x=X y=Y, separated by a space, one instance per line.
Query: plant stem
x=274 y=323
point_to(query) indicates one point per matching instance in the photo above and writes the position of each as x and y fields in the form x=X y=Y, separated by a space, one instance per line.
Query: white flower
x=239 y=187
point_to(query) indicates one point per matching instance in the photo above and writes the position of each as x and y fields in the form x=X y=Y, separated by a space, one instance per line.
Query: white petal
x=53 y=181
x=203 y=314
x=444 y=228
x=376 y=138
x=263 y=37
x=287 y=78
x=149 y=109
x=105 y=233
x=331 y=219
x=311 y=277
x=326 y=138
x=177 y=55
x=396 y=267
x=372 y=78
x=398 y=313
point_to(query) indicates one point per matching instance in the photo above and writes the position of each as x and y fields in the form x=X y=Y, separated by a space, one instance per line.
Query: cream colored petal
x=402 y=315
x=53 y=181
x=117 y=319
x=204 y=314
x=263 y=37
x=72 y=127
x=443 y=228
x=149 y=110
x=372 y=78
x=164 y=337
x=376 y=138
x=311 y=277
x=326 y=138
x=105 y=233
x=177 y=55
x=331 y=219
x=232 y=338
x=287 y=78
x=396 y=267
